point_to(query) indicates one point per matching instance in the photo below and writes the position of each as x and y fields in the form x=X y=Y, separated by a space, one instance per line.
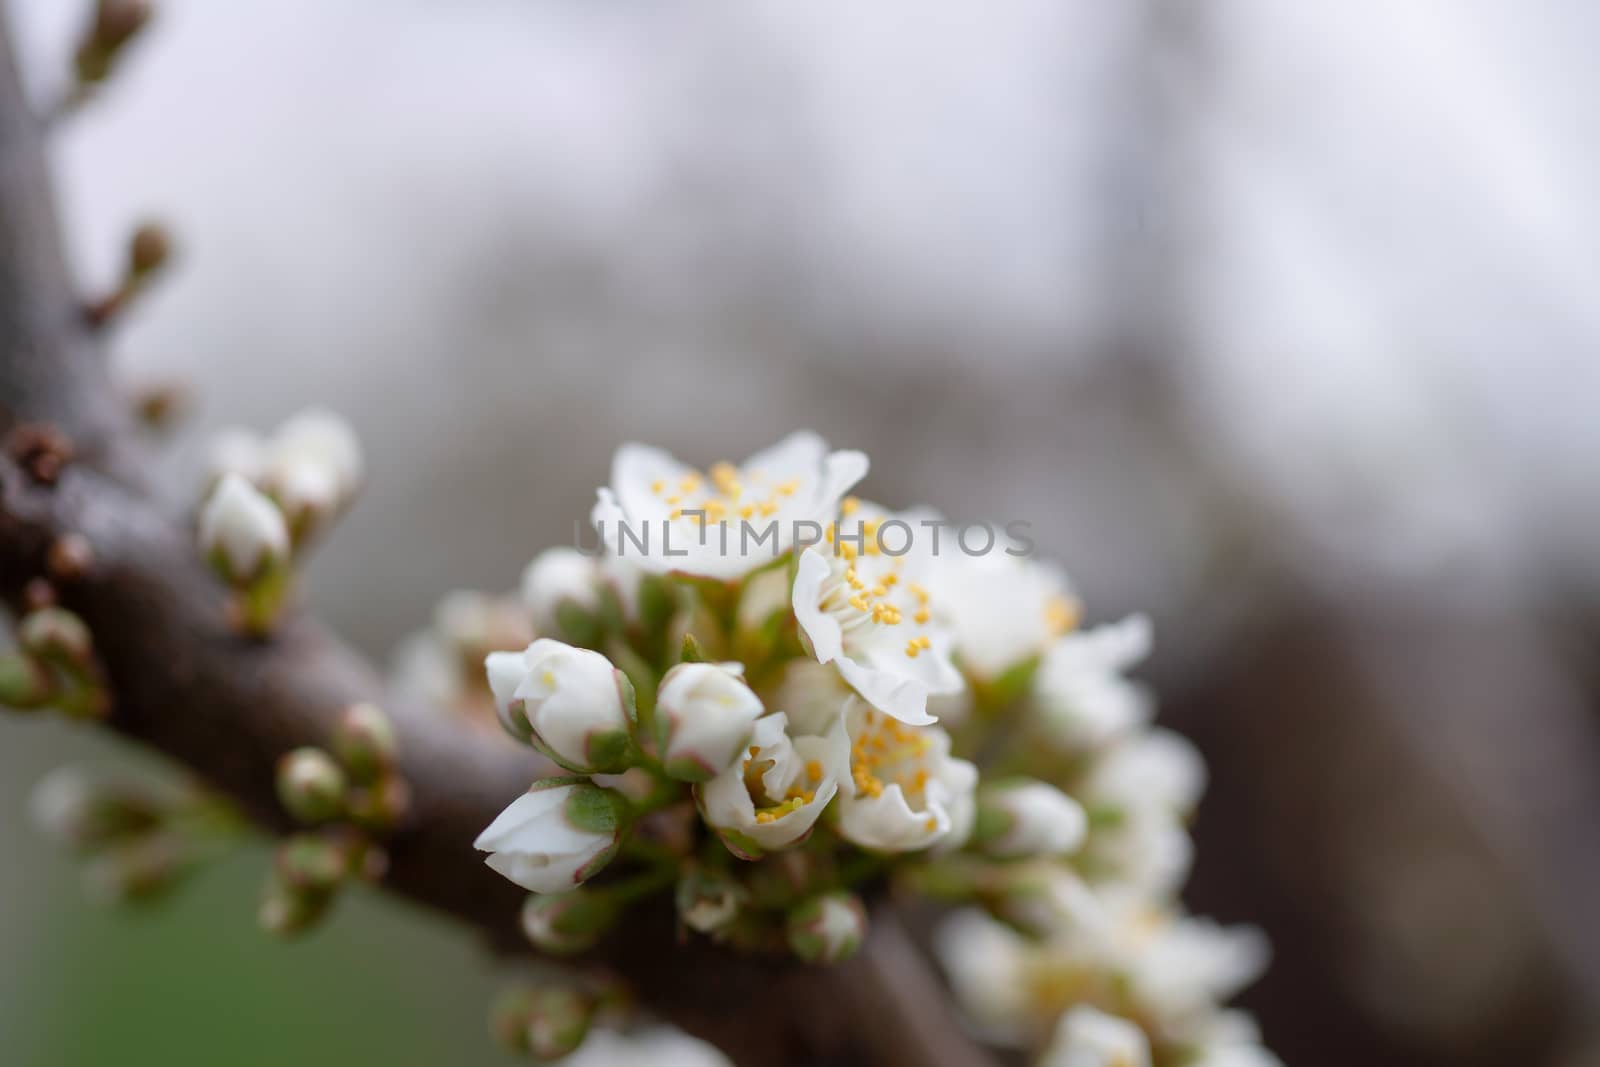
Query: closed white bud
x=310 y=785
x=568 y=922
x=323 y=440
x=242 y=532
x=708 y=902
x=704 y=717
x=828 y=928
x=1028 y=818
x=570 y=703
x=556 y=835
x=1086 y=1037
x=561 y=588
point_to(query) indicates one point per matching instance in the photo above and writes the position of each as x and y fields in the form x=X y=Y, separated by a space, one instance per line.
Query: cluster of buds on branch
x=346 y=799
x=138 y=838
x=53 y=666
x=764 y=734
x=268 y=503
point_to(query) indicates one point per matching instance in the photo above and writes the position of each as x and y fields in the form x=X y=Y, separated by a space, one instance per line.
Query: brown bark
x=184 y=683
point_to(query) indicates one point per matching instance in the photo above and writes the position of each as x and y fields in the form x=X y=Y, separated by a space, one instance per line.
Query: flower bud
x=148 y=250
x=314 y=467
x=558 y=1021
x=311 y=863
x=828 y=928
x=1087 y=1037
x=569 y=703
x=569 y=922
x=310 y=785
x=364 y=741
x=24 y=684
x=705 y=714
x=137 y=868
x=708 y=902
x=78 y=809
x=508 y=1018
x=1043 y=898
x=57 y=636
x=287 y=910
x=326 y=438
x=242 y=533
x=115 y=24
x=561 y=589
x=383 y=805
x=1028 y=818
x=556 y=835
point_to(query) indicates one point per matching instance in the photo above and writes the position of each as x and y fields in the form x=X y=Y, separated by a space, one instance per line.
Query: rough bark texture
x=183 y=682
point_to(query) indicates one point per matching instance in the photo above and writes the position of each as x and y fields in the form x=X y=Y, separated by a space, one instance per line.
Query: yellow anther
x=918 y=591
x=747 y=511
x=768 y=509
x=813 y=770
x=674 y=499
x=789 y=488
x=889 y=579
x=1061 y=614
x=932 y=824
x=657 y=485
x=921 y=615
x=676 y=513
x=913 y=649
x=848 y=505
x=689 y=483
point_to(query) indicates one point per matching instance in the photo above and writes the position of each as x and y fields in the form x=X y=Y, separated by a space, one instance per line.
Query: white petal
x=827 y=642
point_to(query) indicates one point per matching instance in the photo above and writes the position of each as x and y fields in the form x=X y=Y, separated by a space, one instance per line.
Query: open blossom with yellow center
x=771 y=799
x=871 y=614
x=728 y=520
x=905 y=791
x=1001 y=609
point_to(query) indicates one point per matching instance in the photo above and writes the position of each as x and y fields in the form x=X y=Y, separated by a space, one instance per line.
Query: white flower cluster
x=831 y=687
x=269 y=499
x=1091 y=959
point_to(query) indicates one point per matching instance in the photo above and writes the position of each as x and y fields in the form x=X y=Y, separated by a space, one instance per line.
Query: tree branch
x=183 y=682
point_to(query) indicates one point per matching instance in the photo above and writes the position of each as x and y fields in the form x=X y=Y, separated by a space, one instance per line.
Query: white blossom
x=442 y=666
x=985 y=962
x=570 y=703
x=1001 y=609
x=811 y=694
x=1082 y=697
x=681 y=510
x=1029 y=818
x=1155 y=768
x=772 y=797
x=553 y=837
x=652 y=1046
x=1227 y=1039
x=871 y=614
x=242 y=532
x=320 y=440
x=1086 y=1037
x=556 y=578
x=1180 y=967
x=704 y=716
x=904 y=791
x=1145 y=848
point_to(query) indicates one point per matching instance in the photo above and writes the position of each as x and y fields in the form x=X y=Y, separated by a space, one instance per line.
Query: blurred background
x=1278 y=321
